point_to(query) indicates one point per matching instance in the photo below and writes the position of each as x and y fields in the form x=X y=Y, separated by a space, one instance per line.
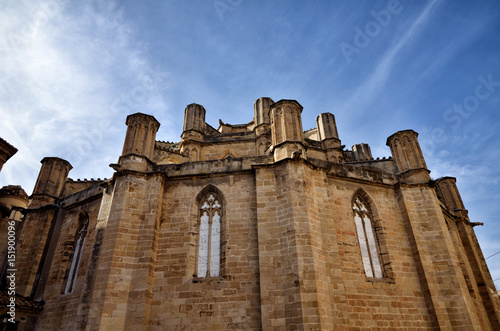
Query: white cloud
x=70 y=76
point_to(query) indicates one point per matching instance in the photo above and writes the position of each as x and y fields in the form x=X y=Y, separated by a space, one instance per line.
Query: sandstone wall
x=64 y=310
x=231 y=301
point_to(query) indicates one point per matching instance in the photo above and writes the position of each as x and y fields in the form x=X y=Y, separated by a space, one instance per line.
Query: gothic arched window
x=209 y=241
x=79 y=243
x=367 y=239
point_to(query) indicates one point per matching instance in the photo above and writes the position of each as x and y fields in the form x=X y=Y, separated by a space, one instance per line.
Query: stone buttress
x=123 y=284
x=299 y=222
x=432 y=247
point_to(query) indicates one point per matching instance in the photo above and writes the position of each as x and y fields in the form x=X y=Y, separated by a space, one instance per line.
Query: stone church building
x=257 y=226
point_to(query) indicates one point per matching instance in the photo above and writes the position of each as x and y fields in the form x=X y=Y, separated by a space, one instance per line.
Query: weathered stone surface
x=290 y=256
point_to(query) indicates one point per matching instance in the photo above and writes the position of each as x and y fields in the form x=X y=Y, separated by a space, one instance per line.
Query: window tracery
x=209 y=240
x=367 y=239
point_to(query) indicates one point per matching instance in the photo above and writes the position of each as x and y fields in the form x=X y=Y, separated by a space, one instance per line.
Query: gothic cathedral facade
x=258 y=226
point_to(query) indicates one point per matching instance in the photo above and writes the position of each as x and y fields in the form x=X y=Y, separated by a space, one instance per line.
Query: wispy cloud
x=62 y=81
x=70 y=72
x=365 y=93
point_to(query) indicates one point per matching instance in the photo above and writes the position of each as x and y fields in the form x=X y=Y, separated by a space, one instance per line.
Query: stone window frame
x=76 y=245
x=200 y=199
x=379 y=236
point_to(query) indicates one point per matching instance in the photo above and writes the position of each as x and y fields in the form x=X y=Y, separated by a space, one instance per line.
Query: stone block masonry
x=254 y=226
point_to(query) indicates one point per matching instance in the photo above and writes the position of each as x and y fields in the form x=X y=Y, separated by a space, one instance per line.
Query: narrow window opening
x=367 y=239
x=209 y=241
x=80 y=237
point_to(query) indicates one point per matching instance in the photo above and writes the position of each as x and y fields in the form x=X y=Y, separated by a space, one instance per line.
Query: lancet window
x=79 y=241
x=209 y=241
x=367 y=238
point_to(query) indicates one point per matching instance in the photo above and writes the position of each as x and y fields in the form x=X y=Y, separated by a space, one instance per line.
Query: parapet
x=275 y=132
x=72 y=186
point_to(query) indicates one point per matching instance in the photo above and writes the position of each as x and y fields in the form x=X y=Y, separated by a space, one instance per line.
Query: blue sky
x=71 y=73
